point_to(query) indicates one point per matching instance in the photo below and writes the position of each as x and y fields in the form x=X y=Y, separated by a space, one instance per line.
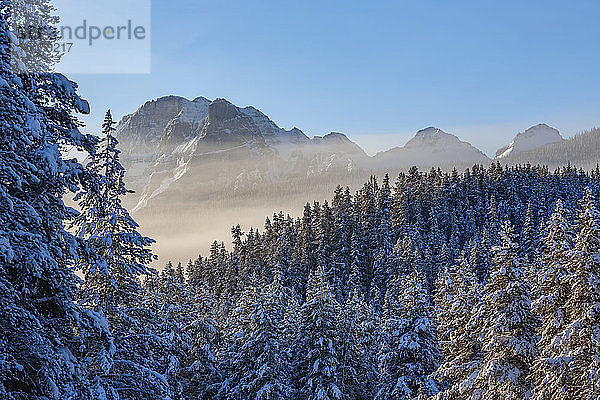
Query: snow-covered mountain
x=173 y=147
x=173 y=140
x=533 y=138
x=581 y=151
x=431 y=147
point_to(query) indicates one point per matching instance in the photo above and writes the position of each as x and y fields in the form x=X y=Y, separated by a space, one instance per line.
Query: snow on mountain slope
x=580 y=151
x=334 y=151
x=535 y=137
x=273 y=134
x=156 y=127
x=431 y=147
x=191 y=142
x=141 y=132
x=168 y=139
x=163 y=124
x=176 y=144
x=337 y=142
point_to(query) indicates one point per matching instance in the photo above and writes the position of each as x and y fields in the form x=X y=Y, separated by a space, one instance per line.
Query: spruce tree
x=317 y=370
x=580 y=342
x=45 y=337
x=457 y=296
x=385 y=263
x=342 y=237
x=528 y=238
x=201 y=374
x=553 y=278
x=355 y=280
x=408 y=354
x=509 y=325
x=168 y=308
x=359 y=335
x=112 y=279
x=257 y=361
x=479 y=257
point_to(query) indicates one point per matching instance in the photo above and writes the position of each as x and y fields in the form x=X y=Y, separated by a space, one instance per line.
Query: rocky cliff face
x=142 y=132
x=172 y=140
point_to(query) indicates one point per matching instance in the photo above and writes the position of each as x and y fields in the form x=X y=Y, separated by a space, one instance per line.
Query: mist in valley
x=189 y=194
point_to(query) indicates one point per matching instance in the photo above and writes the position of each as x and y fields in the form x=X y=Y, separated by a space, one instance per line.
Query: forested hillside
x=448 y=285
x=482 y=284
x=581 y=150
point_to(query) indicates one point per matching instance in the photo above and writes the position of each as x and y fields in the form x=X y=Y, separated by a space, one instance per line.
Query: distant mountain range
x=199 y=165
x=173 y=144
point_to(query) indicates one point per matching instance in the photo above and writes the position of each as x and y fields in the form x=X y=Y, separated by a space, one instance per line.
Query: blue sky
x=377 y=71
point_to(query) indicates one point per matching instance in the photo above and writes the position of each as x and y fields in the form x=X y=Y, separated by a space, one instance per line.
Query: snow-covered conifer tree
x=359 y=335
x=553 y=280
x=317 y=369
x=257 y=364
x=111 y=277
x=509 y=342
x=169 y=308
x=479 y=257
x=580 y=338
x=457 y=298
x=409 y=354
x=45 y=337
x=201 y=373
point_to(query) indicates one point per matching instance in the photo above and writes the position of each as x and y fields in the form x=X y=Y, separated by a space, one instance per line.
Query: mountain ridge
x=171 y=137
x=270 y=129
x=431 y=147
x=171 y=140
x=532 y=138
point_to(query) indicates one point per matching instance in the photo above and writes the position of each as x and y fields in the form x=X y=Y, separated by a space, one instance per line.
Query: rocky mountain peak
x=337 y=142
x=431 y=146
x=334 y=137
x=430 y=136
x=536 y=136
x=201 y=99
x=429 y=131
x=221 y=110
